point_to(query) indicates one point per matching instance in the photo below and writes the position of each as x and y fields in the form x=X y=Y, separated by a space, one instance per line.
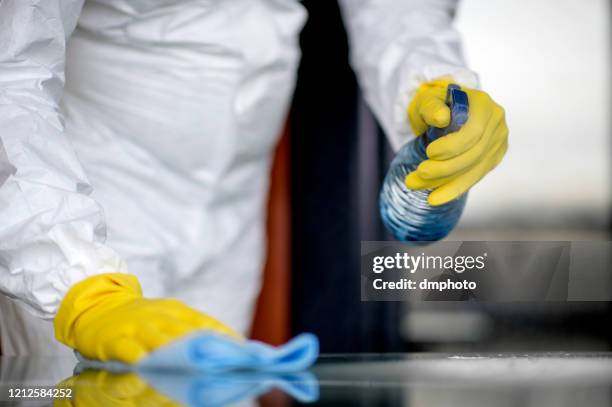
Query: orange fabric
x=272 y=315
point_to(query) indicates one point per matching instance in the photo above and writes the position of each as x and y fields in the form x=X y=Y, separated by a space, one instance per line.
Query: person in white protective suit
x=135 y=146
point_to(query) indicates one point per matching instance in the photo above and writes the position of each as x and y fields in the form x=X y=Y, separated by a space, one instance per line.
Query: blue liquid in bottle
x=406 y=213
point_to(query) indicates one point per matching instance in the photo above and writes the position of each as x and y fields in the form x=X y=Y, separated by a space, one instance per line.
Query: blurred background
x=548 y=63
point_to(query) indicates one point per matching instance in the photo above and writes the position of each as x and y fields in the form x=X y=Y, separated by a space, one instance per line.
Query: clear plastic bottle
x=406 y=213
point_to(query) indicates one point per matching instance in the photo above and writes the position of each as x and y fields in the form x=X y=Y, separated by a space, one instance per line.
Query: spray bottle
x=406 y=213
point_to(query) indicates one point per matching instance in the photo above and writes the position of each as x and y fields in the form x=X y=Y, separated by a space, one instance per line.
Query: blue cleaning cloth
x=207 y=352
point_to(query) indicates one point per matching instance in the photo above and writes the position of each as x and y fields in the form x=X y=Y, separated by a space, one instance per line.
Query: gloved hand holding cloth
x=459 y=160
x=106 y=319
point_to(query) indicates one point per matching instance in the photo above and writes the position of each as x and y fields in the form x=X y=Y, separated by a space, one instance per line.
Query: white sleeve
x=51 y=231
x=395 y=47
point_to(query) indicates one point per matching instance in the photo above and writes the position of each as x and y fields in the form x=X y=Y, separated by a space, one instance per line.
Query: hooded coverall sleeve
x=51 y=230
x=395 y=46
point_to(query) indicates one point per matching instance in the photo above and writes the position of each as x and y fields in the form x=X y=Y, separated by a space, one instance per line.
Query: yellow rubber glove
x=100 y=388
x=458 y=160
x=105 y=317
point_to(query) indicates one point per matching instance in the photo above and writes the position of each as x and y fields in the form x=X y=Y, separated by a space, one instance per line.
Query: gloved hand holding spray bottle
x=464 y=134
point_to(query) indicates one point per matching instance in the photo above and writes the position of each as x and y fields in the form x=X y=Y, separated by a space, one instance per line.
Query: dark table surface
x=419 y=379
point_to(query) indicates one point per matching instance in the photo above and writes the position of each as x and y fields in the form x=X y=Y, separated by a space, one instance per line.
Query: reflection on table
x=546 y=379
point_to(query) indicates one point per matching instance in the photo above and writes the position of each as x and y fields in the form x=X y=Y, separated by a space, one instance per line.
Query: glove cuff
x=92 y=292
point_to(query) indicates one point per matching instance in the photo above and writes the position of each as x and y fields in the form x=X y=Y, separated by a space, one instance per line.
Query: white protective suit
x=142 y=138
